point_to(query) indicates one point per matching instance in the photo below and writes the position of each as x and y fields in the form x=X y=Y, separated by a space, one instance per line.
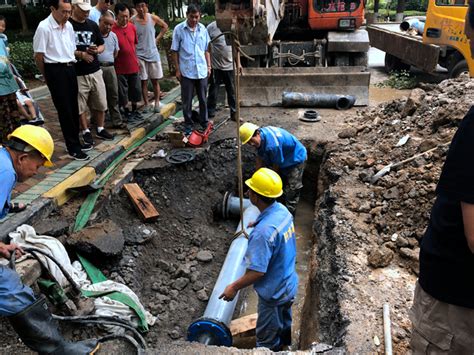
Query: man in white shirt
x=99 y=9
x=54 y=44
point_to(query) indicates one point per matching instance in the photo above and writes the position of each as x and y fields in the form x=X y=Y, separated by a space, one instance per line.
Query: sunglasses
x=111 y=2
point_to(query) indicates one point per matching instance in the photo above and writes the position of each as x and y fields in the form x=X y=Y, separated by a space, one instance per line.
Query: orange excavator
x=308 y=46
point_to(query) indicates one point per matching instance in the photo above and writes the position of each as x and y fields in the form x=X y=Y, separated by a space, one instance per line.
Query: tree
x=400 y=10
x=21 y=10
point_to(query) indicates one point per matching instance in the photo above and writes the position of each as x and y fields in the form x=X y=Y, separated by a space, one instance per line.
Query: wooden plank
x=142 y=204
x=243 y=324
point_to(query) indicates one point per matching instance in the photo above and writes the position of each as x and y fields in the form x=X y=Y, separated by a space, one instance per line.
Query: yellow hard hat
x=38 y=138
x=266 y=182
x=246 y=131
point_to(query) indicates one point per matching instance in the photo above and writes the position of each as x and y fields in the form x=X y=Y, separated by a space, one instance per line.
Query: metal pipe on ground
x=300 y=99
x=212 y=327
x=230 y=206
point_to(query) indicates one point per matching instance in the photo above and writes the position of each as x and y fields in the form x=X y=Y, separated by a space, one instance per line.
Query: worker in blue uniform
x=28 y=148
x=270 y=258
x=279 y=150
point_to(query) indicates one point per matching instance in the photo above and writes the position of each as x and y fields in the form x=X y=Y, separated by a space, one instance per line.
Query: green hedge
x=21 y=55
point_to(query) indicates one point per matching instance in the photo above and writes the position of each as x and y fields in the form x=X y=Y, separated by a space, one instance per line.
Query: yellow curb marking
x=81 y=177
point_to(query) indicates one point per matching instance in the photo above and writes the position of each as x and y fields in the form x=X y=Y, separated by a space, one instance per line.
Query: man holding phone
x=91 y=86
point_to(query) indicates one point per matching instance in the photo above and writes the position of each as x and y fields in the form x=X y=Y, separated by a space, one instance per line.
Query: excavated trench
x=174 y=271
x=172 y=264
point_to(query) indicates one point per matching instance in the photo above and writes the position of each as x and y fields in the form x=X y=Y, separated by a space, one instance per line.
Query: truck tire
x=458 y=69
x=393 y=63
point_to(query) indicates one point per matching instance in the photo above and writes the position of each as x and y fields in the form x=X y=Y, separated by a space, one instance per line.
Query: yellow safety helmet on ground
x=246 y=131
x=266 y=182
x=38 y=138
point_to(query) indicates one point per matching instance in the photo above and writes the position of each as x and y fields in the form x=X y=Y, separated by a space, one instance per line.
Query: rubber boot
x=39 y=331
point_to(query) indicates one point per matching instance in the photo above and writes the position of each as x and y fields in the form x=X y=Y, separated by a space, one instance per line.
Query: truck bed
x=410 y=49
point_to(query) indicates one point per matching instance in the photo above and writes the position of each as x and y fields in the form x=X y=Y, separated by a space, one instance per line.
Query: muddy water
x=303 y=225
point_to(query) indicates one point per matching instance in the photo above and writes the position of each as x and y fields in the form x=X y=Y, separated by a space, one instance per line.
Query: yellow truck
x=443 y=41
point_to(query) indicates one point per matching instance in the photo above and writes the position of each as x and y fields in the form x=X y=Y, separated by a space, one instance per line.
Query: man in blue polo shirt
x=193 y=64
x=281 y=151
x=270 y=257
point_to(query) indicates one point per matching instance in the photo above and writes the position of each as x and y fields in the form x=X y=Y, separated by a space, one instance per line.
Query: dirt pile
x=375 y=228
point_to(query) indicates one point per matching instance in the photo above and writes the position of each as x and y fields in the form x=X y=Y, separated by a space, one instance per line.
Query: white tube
x=387 y=331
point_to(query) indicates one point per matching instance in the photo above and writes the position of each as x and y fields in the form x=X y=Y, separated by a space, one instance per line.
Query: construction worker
x=281 y=151
x=271 y=256
x=28 y=147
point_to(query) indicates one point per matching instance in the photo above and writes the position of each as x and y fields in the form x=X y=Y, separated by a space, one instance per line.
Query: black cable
x=74 y=285
x=97 y=319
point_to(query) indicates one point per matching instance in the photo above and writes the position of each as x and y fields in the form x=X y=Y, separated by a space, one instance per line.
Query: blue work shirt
x=7 y=181
x=191 y=47
x=272 y=250
x=281 y=148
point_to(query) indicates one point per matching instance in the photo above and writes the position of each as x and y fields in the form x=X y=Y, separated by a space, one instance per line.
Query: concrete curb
x=59 y=194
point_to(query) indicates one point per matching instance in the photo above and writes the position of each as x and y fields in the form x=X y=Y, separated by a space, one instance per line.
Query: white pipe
x=387 y=333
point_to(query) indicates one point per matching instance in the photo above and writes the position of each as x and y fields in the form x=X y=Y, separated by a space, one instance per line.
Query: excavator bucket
x=265 y=86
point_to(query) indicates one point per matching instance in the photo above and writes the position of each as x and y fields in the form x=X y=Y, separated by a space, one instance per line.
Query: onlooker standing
x=193 y=64
x=126 y=63
x=147 y=52
x=106 y=60
x=3 y=27
x=54 y=45
x=89 y=44
x=9 y=114
x=443 y=306
x=99 y=9
x=222 y=71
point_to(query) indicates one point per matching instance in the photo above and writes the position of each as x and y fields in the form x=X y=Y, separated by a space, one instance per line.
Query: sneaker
x=158 y=108
x=79 y=156
x=37 y=121
x=136 y=115
x=104 y=134
x=87 y=137
x=86 y=147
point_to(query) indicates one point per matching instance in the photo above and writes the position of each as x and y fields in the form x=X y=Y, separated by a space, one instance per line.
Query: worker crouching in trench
x=27 y=149
x=281 y=151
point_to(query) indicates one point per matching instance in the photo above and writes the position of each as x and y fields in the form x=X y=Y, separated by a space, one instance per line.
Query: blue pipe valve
x=210 y=332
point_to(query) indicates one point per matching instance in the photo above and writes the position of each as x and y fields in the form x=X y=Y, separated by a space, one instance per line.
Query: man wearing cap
x=99 y=9
x=271 y=259
x=281 y=151
x=27 y=149
x=91 y=86
x=54 y=46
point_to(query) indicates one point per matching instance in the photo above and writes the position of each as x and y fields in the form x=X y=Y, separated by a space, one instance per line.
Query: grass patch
x=400 y=80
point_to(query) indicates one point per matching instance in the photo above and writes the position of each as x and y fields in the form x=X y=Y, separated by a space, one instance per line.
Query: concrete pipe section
x=212 y=328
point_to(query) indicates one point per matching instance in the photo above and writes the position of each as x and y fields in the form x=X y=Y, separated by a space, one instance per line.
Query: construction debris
x=142 y=204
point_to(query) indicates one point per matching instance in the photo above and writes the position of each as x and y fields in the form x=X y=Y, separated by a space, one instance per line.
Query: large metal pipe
x=300 y=99
x=230 y=206
x=212 y=327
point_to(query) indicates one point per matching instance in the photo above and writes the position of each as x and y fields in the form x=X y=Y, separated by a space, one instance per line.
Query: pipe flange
x=225 y=204
x=310 y=116
x=180 y=156
x=217 y=332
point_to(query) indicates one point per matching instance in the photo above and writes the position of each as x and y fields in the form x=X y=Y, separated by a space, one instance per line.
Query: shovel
x=386 y=169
